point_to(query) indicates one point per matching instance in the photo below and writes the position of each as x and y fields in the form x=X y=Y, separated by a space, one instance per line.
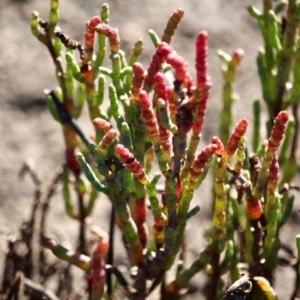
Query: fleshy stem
x=90 y=38
x=196 y=170
x=164 y=123
x=137 y=82
x=219 y=218
x=183 y=277
x=112 y=34
x=271 y=187
x=138 y=130
x=90 y=175
x=200 y=98
x=272 y=212
x=155 y=66
x=229 y=74
x=115 y=56
x=53 y=16
x=172 y=25
x=286 y=56
x=55 y=51
x=88 y=74
x=172 y=104
x=298 y=248
x=267 y=60
x=254 y=208
x=201 y=62
x=256 y=126
x=99 y=252
x=135 y=53
x=126 y=221
x=139 y=173
x=79 y=260
x=171 y=199
x=152 y=129
x=101 y=46
x=177 y=62
x=240 y=155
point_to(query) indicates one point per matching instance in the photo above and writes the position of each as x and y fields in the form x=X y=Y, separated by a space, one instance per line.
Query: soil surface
x=27 y=129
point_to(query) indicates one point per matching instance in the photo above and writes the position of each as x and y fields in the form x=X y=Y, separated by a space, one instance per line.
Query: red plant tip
x=177 y=62
x=172 y=25
x=202 y=159
x=278 y=131
x=237 y=56
x=161 y=86
x=138 y=78
x=148 y=115
x=101 y=248
x=201 y=59
x=102 y=124
x=154 y=67
x=125 y=155
x=254 y=209
x=107 y=140
x=234 y=139
x=112 y=34
x=90 y=31
x=132 y=164
x=179 y=12
x=220 y=147
x=164 y=50
x=94 y=21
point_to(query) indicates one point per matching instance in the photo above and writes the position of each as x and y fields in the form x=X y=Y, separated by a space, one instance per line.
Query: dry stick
x=287 y=187
x=37 y=291
x=82 y=224
x=15 y=288
x=44 y=210
x=51 y=50
x=110 y=255
x=34 y=290
x=69 y=43
x=27 y=229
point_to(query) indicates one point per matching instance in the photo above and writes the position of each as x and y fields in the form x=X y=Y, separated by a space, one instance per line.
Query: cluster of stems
x=150 y=119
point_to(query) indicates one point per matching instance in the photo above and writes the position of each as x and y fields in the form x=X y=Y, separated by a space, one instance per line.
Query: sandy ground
x=27 y=129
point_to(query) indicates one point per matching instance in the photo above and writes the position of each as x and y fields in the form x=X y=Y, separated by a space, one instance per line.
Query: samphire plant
x=151 y=120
